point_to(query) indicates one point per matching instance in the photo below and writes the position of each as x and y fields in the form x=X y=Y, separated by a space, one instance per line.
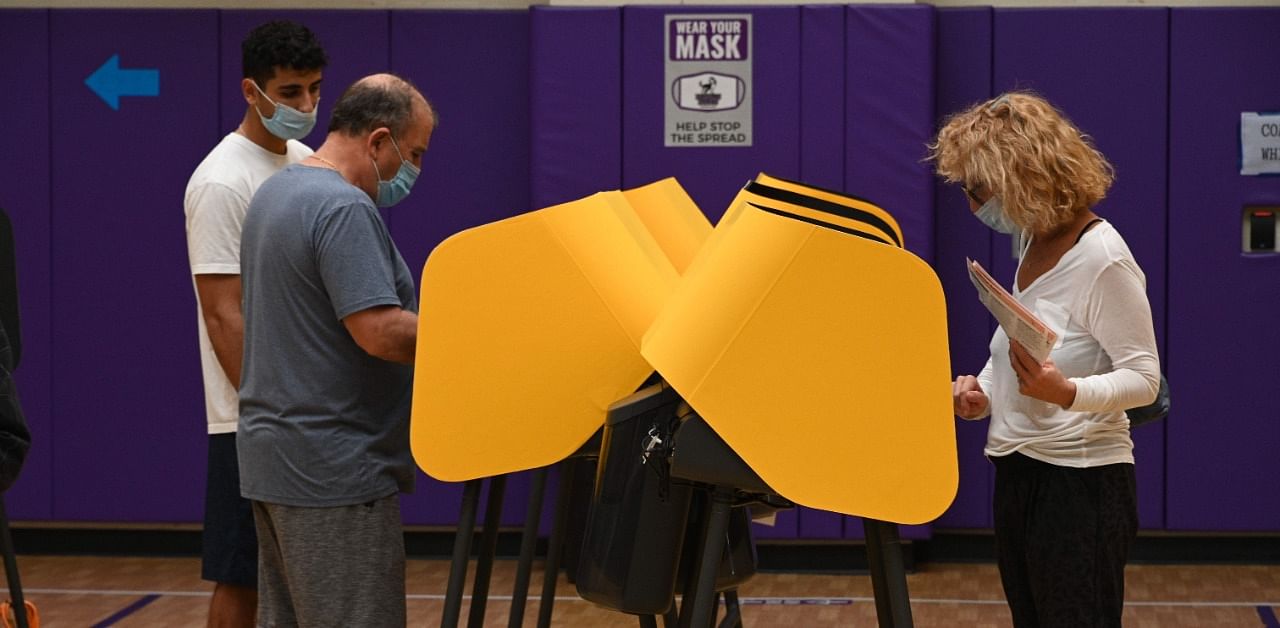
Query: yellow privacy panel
x=671 y=216
x=705 y=313
x=616 y=256
x=755 y=254
x=808 y=203
x=528 y=329
x=821 y=358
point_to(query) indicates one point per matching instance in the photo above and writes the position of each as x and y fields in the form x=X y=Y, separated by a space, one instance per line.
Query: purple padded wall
x=822 y=62
x=1107 y=69
x=576 y=146
x=964 y=77
x=1222 y=343
x=474 y=66
x=822 y=108
x=889 y=69
x=357 y=43
x=128 y=398
x=711 y=175
x=889 y=115
x=24 y=35
x=128 y=404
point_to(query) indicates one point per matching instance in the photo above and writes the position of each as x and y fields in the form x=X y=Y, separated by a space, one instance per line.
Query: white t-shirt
x=1095 y=299
x=216 y=199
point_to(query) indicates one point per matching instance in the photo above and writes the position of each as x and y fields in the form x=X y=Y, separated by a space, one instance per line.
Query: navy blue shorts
x=230 y=540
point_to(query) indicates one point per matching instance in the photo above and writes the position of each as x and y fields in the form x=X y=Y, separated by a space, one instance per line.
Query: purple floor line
x=126 y=611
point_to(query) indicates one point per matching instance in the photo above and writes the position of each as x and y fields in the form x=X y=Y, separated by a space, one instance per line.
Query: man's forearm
x=387 y=332
x=226 y=334
x=402 y=338
x=219 y=296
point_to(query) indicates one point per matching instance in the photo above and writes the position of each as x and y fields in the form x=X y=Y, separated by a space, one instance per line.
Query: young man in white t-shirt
x=283 y=64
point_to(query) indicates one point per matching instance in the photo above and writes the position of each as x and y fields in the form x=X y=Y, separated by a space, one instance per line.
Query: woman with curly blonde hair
x=1065 y=507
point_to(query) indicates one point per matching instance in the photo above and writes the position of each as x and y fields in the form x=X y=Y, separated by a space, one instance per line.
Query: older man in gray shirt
x=330 y=331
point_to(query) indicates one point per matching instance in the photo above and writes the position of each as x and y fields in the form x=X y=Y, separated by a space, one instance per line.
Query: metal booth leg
x=888 y=575
x=703 y=606
x=671 y=619
x=528 y=541
x=488 y=547
x=555 y=547
x=11 y=570
x=732 y=610
x=461 y=553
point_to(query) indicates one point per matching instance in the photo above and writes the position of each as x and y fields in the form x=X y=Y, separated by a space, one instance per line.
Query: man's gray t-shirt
x=322 y=422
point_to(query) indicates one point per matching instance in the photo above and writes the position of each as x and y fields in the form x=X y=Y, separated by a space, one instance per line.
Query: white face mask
x=287 y=123
x=992 y=215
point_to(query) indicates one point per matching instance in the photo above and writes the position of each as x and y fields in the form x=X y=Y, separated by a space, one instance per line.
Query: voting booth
x=802 y=357
x=529 y=328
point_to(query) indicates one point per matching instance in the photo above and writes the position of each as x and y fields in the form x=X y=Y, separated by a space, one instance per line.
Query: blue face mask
x=287 y=123
x=395 y=190
x=992 y=215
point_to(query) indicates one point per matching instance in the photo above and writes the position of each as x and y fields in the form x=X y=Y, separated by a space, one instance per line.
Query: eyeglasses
x=973 y=195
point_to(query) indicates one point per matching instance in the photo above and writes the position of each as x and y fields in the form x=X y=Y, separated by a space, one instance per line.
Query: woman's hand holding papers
x=968 y=399
x=1040 y=381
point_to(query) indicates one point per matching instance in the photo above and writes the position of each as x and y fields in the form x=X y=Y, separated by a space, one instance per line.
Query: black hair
x=280 y=44
x=371 y=104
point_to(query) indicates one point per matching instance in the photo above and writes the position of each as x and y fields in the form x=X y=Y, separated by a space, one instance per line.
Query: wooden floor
x=167 y=592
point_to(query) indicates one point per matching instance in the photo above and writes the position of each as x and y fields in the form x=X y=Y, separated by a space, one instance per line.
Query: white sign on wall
x=707 y=61
x=1259 y=143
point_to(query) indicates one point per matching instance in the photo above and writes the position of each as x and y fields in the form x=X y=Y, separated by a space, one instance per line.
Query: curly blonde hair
x=1020 y=148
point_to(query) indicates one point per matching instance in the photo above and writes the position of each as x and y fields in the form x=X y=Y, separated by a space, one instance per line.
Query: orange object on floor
x=11 y=620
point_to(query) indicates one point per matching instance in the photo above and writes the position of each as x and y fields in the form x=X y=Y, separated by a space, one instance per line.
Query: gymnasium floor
x=78 y=591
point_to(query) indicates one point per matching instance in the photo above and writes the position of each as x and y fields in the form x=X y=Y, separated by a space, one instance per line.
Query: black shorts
x=230 y=542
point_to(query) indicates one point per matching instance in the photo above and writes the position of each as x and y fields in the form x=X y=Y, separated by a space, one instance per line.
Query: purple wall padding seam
x=889 y=108
x=476 y=169
x=822 y=116
x=889 y=116
x=963 y=78
x=575 y=103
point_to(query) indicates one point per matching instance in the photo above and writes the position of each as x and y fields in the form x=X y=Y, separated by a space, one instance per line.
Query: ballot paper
x=1018 y=322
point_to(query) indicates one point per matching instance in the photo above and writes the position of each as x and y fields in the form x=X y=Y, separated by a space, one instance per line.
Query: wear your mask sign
x=708 y=80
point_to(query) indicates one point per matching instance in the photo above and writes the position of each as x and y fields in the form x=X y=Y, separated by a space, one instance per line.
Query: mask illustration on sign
x=992 y=215
x=287 y=123
x=395 y=190
x=708 y=91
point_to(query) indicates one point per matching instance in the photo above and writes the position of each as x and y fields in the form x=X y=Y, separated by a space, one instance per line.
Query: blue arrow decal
x=109 y=82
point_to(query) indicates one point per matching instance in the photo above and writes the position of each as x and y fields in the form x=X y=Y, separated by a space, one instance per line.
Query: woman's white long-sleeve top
x=1095 y=299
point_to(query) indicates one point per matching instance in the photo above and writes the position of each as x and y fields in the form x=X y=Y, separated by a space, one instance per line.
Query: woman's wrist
x=1067 y=397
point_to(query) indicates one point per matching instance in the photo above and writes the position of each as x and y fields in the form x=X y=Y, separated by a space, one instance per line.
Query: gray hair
x=381 y=100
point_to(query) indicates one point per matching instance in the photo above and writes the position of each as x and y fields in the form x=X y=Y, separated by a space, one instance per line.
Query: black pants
x=1062 y=539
